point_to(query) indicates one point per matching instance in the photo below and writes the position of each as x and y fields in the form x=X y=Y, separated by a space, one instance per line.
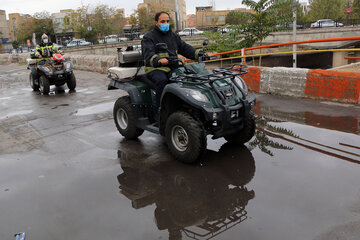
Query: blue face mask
x=164 y=27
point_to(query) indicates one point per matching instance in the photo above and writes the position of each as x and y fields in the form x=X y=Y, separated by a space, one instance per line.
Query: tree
x=39 y=24
x=236 y=18
x=15 y=44
x=324 y=9
x=42 y=23
x=102 y=19
x=355 y=9
x=264 y=18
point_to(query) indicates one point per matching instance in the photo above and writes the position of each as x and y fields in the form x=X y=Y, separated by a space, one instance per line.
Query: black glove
x=203 y=55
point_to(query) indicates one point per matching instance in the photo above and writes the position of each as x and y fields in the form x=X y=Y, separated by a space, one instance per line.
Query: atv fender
x=178 y=91
x=127 y=87
x=34 y=73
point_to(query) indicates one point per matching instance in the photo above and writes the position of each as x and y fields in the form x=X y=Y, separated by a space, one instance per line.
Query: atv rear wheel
x=71 y=82
x=246 y=133
x=33 y=85
x=185 y=137
x=124 y=118
x=44 y=85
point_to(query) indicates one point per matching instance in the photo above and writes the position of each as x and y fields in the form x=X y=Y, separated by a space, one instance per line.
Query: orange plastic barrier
x=330 y=85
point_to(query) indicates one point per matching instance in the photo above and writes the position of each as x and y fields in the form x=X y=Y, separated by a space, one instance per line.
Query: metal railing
x=245 y=50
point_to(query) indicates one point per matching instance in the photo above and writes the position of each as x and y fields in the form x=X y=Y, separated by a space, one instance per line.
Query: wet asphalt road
x=66 y=173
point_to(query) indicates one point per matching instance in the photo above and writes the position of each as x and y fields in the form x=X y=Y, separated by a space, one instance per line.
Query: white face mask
x=46 y=41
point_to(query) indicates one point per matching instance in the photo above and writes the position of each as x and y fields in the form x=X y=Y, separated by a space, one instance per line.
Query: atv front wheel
x=246 y=133
x=44 y=85
x=71 y=82
x=185 y=137
x=124 y=118
x=33 y=85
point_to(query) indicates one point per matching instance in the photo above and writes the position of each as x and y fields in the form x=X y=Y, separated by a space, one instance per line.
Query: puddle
x=24 y=112
x=103 y=107
x=5 y=98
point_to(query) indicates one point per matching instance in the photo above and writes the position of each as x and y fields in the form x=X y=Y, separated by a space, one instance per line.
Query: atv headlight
x=241 y=83
x=68 y=67
x=197 y=95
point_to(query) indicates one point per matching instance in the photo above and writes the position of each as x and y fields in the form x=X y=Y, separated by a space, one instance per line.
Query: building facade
x=190 y=20
x=206 y=17
x=16 y=20
x=171 y=7
x=62 y=36
x=4 y=27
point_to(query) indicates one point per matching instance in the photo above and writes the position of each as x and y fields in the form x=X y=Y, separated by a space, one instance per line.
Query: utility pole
x=177 y=14
x=294 y=33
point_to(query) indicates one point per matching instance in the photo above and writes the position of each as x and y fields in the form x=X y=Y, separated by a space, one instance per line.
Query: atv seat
x=126 y=72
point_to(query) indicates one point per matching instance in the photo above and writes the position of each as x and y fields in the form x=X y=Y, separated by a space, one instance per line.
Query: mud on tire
x=124 y=118
x=185 y=137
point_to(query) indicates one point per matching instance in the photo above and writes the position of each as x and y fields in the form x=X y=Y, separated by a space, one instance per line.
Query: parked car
x=190 y=32
x=326 y=23
x=289 y=25
x=58 y=46
x=78 y=43
x=113 y=39
x=224 y=29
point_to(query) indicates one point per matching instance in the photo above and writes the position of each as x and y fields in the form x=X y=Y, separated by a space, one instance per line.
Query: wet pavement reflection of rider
x=157 y=64
x=189 y=199
x=45 y=49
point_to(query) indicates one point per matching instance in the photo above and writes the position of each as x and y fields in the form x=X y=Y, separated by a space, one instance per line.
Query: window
x=221 y=18
x=208 y=19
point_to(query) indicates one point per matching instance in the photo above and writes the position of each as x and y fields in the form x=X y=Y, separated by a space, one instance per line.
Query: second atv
x=56 y=71
x=196 y=103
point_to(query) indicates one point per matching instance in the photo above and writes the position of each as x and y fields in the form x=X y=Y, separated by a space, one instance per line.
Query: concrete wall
x=317 y=84
x=310 y=34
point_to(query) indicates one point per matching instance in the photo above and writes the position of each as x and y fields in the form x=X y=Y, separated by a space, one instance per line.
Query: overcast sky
x=52 y=6
x=32 y=6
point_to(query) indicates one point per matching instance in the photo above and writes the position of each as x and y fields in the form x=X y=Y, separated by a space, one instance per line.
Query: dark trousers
x=160 y=78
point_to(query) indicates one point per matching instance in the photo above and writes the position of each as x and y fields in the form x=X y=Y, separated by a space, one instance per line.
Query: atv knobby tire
x=185 y=137
x=124 y=118
x=246 y=133
x=71 y=82
x=44 y=85
x=33 y=85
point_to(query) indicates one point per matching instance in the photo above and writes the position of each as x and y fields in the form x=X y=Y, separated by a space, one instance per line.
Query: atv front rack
x=218 y=74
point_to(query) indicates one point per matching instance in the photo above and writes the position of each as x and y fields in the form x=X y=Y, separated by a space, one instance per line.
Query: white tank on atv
x=130 y=63
x=30 y=61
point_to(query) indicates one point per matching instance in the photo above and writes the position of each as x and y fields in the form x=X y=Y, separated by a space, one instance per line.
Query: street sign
x=28 y=43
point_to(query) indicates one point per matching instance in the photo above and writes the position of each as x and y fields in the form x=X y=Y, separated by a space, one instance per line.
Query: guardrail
x=244 y=50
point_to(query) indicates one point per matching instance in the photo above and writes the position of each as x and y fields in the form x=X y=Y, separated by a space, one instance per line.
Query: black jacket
x=174 y=44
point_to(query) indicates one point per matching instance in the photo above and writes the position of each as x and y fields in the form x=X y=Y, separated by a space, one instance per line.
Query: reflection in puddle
x=197 y=201
x=269 y=128
x=103 y=107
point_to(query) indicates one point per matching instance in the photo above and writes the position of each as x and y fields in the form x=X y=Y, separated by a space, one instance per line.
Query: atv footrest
x=152 y=128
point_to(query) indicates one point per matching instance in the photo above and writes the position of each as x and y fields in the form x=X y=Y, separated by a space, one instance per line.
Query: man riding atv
x=45 y=49
x=49 y=68
x=158 y=65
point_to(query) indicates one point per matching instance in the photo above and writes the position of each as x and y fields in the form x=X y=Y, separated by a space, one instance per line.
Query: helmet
x=58 y=57
x=44 y=36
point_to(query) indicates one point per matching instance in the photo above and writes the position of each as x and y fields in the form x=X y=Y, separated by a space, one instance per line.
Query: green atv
x=195 y=103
